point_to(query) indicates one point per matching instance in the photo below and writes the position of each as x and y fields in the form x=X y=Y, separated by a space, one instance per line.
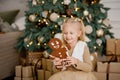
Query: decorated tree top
x=45 y=17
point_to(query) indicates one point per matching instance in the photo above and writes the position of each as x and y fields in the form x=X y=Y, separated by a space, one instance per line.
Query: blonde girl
x=79 y=65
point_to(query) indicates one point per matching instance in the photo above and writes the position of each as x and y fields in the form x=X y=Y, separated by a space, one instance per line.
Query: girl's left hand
x=71 y=60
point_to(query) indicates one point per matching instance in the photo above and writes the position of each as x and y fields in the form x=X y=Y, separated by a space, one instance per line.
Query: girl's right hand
x=57 y=61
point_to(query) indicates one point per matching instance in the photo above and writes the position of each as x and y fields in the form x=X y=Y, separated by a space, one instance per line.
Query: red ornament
x=69 y=12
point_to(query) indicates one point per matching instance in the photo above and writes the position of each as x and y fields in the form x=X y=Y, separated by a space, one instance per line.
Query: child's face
x=71 y=33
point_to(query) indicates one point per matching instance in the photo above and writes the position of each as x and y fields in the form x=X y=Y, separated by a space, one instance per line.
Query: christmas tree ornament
x=45 y=14
x=94 y=47
x=85 y=12
x=107 y=36
x=34 y=2
x=42 y=22
x=95 y=1
x=64 y=16
x=87 y=18
x=60 y=23
x=32 y=17
x=106 y=22
x=26 y=39
x=87 y=39
x=31 y=42
x=100 y=33
x=28 y=45
x=54 y=1
x=76 y=9
x=88 y=29
x=54 y=17
x=43 y=2
x=66 y=2
x=90 y=17
x=69 y=12
x=53 y=32
x=38 y=43
x=75 y=1
x=56 y=26
x=99 y=41
x=100 y=21
x=40 y=39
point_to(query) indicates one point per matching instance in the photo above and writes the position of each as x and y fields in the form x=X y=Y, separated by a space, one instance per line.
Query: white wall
x=113 y=15
x=6 y=5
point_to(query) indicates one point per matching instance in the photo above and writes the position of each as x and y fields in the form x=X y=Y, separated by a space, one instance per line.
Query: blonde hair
x=76 y=20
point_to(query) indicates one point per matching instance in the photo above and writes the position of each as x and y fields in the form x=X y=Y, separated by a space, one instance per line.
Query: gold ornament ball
x=32 y=18
x=85 y=12
x=26 y=39
x=100 y=32
x=40 y=39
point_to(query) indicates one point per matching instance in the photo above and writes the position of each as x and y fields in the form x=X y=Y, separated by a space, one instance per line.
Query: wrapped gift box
x=44 y=66
x=100 y=75
x=18 y=70
x=49 y=65
x=17 y=78
x=47 y=75
x=114 y=76
x=113 y=47
x=27 y=71
x=31 y=78
x=40 y=74
x=102 y=66
x=33 y=55
x=114 y=67
x=113 y=58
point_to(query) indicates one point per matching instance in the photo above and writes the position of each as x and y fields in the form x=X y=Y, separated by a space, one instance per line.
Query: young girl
x=79 y=64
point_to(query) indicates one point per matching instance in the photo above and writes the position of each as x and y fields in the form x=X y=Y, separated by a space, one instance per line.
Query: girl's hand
x=57 y=61
x=71 y=61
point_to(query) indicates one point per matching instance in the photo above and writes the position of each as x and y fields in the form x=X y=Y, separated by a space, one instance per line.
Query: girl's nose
x=68 y=36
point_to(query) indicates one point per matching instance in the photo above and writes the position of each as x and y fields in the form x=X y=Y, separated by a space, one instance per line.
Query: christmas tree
x=44 y=19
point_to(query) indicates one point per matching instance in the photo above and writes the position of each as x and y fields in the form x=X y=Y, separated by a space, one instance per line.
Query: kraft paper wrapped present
x=114 y=76
x=44 y=66
x=100 y=75
x=31 y=78
x=17 y=78
x=37 y=63
x=113 y=47
x=27 y=71
x=18 y=71
x=33 y=55
x=112 y=58
x=102 y=66
x=47 y=75
x=40 y=74
x=114 y=67
x=49 y=65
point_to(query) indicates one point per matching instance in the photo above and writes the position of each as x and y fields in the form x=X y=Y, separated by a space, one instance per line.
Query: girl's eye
x=65 y=32
x=71 y=32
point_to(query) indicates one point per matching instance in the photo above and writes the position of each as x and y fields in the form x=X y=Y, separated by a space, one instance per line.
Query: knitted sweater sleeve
x=86 y=65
